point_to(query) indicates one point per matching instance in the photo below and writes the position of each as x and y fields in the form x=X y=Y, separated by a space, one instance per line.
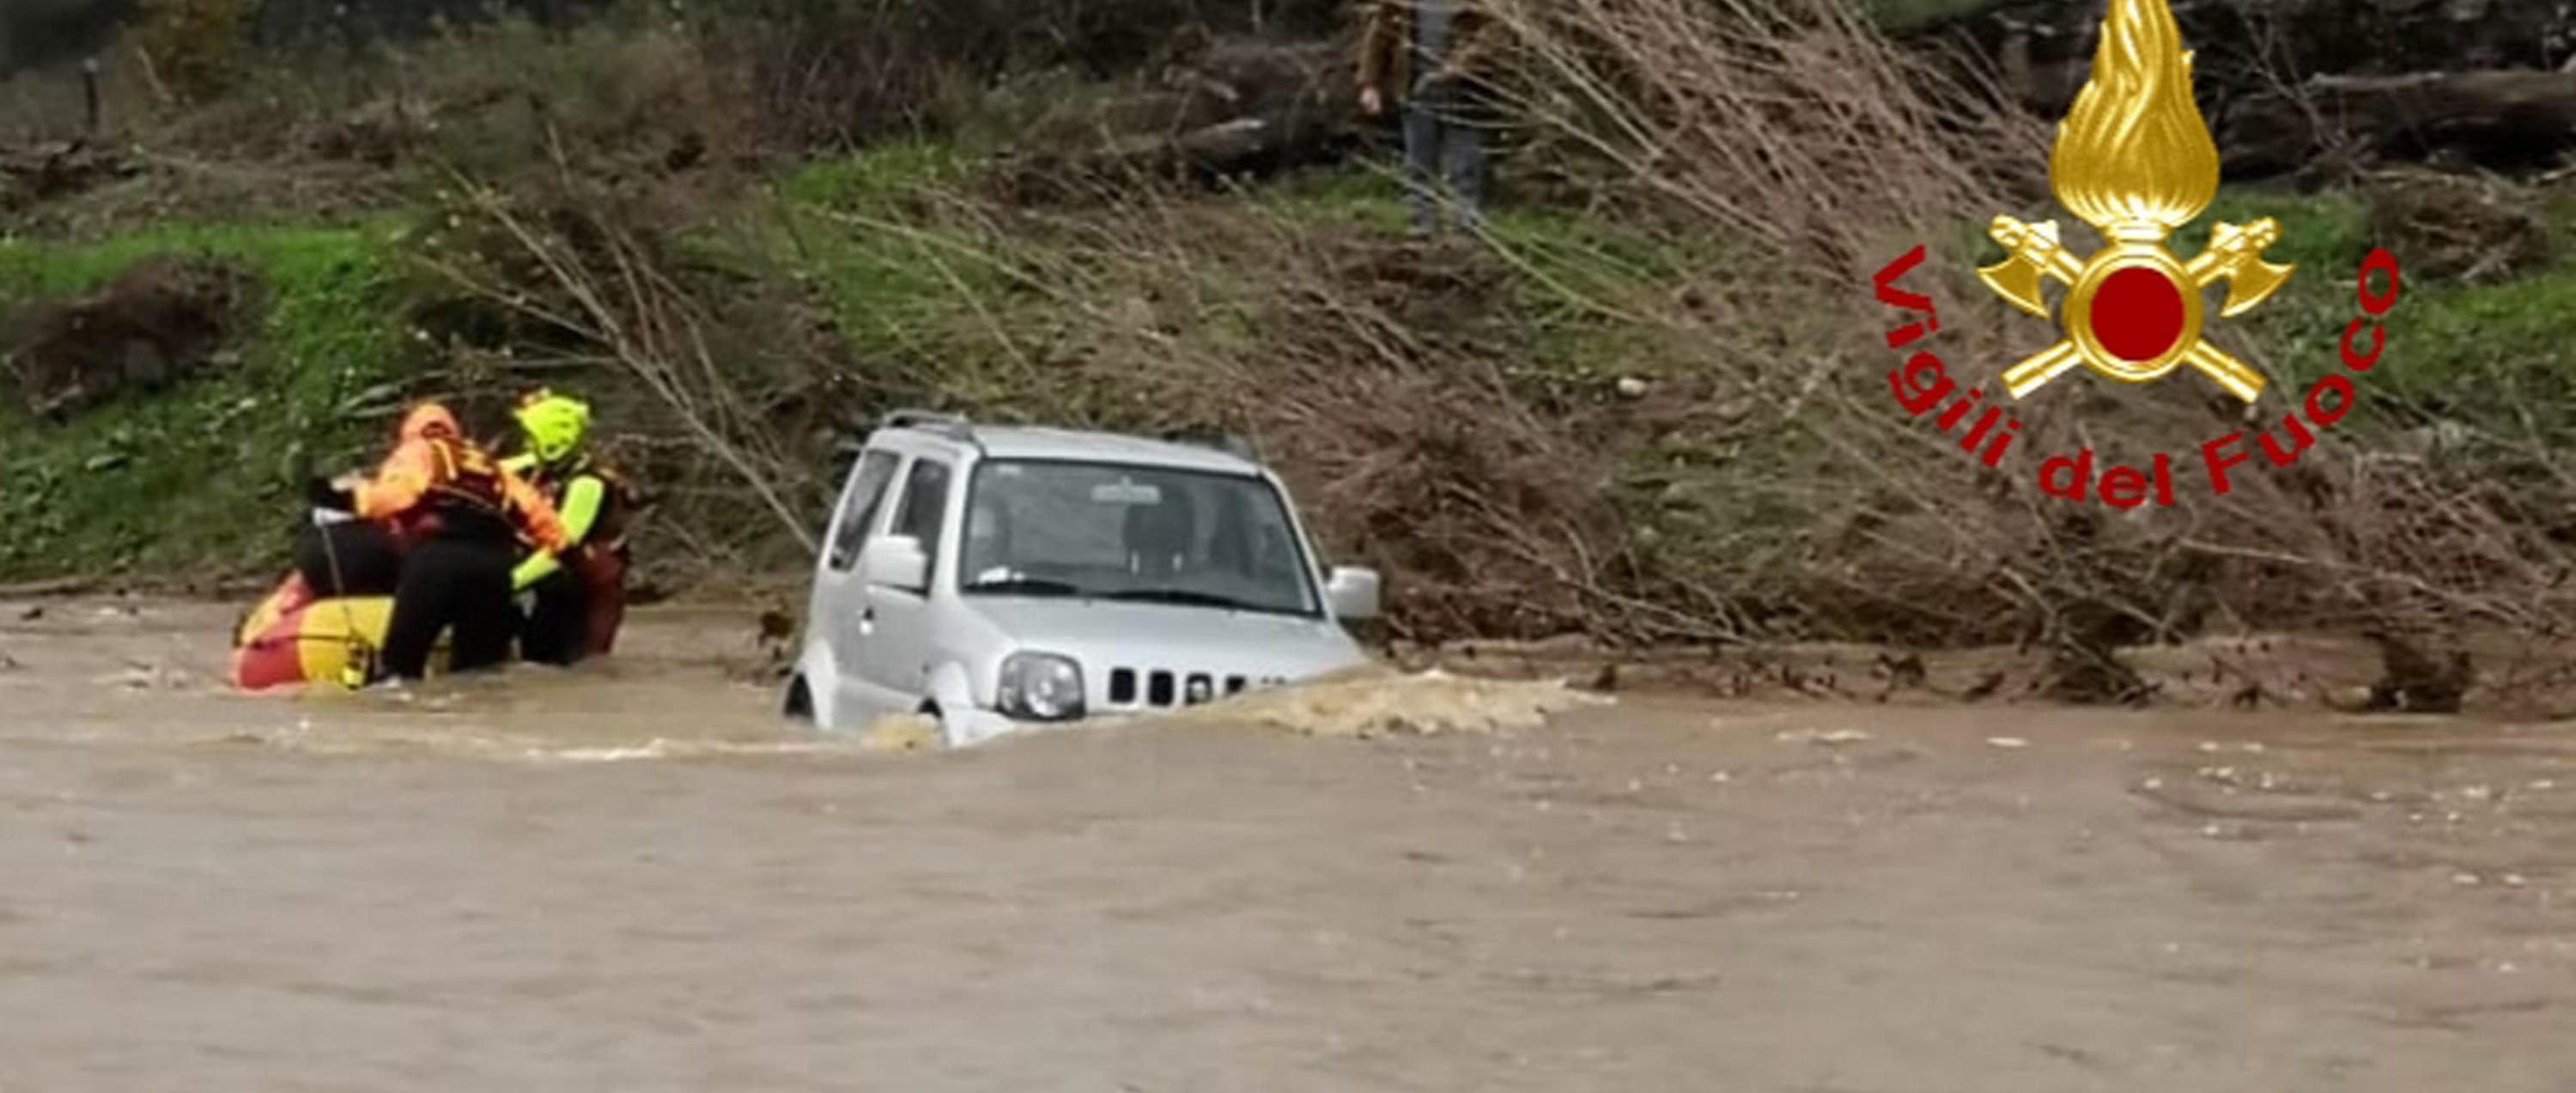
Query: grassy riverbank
x=1642 y=408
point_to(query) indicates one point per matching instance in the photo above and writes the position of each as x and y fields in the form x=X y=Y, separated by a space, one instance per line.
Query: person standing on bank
x=460 y=515
x=1424 y=57
x=579 y=597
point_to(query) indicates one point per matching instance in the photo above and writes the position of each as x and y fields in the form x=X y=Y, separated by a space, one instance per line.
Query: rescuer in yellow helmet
x=580 y=596
x=460 y=515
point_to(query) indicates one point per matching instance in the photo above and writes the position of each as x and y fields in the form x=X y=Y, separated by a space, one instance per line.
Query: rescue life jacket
x=465 y=496
x=607 y=534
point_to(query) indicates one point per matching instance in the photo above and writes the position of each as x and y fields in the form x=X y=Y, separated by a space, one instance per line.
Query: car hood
x=1105 y=634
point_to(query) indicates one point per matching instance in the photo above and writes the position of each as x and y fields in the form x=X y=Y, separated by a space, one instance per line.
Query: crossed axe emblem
x=2234 y=253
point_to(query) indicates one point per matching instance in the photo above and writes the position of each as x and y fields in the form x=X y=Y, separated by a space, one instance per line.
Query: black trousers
x=452 y=583
x=558 y=630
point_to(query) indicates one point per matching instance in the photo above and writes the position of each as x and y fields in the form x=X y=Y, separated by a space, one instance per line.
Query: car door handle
x=867 y=620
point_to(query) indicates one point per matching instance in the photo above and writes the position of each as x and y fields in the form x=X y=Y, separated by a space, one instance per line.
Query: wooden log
x=56 y=586
x=2503 y=120
x=1216 y=109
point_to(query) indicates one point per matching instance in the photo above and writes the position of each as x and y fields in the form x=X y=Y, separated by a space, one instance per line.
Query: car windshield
x=1151 y=534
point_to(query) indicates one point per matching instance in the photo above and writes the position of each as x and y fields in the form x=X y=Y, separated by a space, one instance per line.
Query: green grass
x=1578 y=275
x=2492 y=356
x=875 y=181
x=885 y=273
x=202 y=475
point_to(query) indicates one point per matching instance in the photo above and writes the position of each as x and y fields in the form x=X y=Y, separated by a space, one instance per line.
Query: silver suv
x=1001 y=578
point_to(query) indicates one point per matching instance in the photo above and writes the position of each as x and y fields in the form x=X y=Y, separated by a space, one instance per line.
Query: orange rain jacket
x=434 y=467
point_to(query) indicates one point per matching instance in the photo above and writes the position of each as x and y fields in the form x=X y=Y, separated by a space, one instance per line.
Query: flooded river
x=632 y=877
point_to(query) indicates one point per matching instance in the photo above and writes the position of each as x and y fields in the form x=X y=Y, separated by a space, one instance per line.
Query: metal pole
x=89 y=93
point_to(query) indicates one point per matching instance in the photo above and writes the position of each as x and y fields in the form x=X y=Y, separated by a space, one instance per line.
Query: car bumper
x=977 y=726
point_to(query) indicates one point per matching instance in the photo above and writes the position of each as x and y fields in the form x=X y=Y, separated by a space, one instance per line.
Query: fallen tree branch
x=52 y=586
x=2494 y=118
x=638 y=332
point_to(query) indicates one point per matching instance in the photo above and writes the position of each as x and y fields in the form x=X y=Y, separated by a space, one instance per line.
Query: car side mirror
x=1353 y=592
x=895 y=561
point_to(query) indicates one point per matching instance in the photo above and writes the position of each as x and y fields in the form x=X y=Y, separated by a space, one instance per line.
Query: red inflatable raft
x=291 y=638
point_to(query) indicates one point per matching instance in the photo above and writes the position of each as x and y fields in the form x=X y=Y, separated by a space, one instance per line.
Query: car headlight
x=1041 y=687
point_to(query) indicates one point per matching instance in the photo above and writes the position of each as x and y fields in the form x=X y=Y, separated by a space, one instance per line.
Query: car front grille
x=1163 y=688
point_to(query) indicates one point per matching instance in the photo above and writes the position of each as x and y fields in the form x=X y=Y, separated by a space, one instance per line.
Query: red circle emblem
x=2137 y=314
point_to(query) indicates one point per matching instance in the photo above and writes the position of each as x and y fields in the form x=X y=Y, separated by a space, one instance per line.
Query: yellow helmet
x=554 y=423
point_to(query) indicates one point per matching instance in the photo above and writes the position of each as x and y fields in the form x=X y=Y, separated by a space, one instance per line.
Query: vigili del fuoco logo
x=2134 y=160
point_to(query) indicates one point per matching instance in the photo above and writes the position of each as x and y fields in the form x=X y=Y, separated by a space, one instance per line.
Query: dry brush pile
x=1832 y=152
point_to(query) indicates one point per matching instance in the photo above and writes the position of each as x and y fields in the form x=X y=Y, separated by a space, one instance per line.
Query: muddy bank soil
x=464 y=892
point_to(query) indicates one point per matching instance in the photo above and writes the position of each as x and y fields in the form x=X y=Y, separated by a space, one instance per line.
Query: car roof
x=1040 y=442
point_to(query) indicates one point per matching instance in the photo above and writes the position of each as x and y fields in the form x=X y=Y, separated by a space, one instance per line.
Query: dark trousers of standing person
x=604 y=576
x=578 y=609
x=558 y=626
x=1444 y=155
x=456 y=584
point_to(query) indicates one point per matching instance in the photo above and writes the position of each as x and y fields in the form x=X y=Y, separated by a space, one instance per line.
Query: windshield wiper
x=1026 y=586
x=1182 y=596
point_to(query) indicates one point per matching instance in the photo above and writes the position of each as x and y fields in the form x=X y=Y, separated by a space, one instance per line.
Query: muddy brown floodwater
x=208 y=892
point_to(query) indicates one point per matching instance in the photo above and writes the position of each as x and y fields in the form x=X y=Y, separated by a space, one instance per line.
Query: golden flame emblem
x=2135 y=160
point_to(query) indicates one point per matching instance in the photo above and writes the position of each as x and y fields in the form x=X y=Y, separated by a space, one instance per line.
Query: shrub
x=195 y=47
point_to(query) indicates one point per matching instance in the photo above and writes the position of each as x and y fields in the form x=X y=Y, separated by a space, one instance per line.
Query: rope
x=354 y=672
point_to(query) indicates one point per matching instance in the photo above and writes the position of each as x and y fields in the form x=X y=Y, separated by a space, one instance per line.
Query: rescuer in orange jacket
x=460 y=516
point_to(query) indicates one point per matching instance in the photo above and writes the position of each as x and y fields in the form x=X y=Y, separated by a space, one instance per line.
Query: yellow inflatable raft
x=292 y=638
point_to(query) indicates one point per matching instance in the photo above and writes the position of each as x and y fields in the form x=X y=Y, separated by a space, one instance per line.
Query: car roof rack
x=951 y=426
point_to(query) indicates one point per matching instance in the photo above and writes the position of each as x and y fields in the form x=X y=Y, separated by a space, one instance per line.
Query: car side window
x=925 y=505
x=859 y=509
